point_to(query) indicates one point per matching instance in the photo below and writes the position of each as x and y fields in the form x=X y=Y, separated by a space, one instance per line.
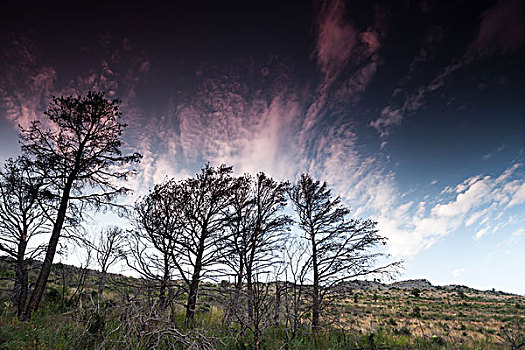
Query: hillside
x=401 y=315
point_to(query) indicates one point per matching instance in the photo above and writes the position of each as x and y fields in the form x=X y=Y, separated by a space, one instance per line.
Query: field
x=403 y=315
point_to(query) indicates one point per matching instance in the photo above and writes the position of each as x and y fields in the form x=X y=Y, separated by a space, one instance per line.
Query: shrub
x=403 y=331
x=53 y=295
x=416 y=312
x=96 y=324
x=437 y=340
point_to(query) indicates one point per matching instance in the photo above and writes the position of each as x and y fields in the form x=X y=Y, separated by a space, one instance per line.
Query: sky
x=411 y=111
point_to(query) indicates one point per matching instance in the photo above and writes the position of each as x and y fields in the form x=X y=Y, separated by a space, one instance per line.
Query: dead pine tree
x=340 y=248
x=153 y=239
x=75 y=153
x=257 y=229
x=234 y=247
x=206 y=198
x=296 y=267
x=107 y=252
x=21 y=219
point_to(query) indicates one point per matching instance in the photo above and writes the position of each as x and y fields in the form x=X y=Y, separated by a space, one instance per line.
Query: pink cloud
x=371 y=40
x=357 y=83
x=340 y=47
x=228 y=122
x=25 y=85
x=336 y=37
x=502 y=28
x=145 y=67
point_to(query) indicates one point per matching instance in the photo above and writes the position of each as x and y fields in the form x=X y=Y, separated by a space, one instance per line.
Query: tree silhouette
x=156 y=226
x=76 y=158
x=108 y=252
x=257 y=230
x=340 y=248
x=205 y=199
x=21 y=219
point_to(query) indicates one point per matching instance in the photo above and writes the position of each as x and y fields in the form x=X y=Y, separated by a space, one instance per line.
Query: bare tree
x=268 y=228
x=21 y=219
x=156 y=227
x=296 y=270
x=108 y=252
x=76 y=158
x=234 y=247
x=257 y=229
x=340 y=247
x=262 y=302
x=75 y=277
x=512 y=335
x=206 y=199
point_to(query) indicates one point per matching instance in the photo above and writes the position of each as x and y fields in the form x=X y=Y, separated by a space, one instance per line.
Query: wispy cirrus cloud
x=336 y=38
x=236 y=118
x=252 y=114
x=26 y=83
x=347 y=58
x=501 y=30
x=247 y=117
x=478 y=204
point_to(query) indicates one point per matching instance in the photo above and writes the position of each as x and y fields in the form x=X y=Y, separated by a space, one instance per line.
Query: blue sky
x=413 y=113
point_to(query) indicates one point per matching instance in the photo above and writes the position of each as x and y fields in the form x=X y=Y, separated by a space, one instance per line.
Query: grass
x=368 y=319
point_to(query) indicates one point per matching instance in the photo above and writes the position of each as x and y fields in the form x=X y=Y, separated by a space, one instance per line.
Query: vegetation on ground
x=373 y=316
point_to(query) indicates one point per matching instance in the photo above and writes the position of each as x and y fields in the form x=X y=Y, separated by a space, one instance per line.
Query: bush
x=403 y=331
x=416 y=312
x=97 y=323
x=53 y=295
x=437 y=340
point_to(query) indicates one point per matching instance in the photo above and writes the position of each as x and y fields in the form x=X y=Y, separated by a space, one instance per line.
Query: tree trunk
x=234 y=306
x=23 y=283
x=102 y=284
x=315 y=310
x=164 y=284
x=40 y=285
x=249 y=274
x=192 y=298
x=315 y=290
x=249 y=285
x=277 y=310
x=162 y=292
x=21 y=272
x=195 y=279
